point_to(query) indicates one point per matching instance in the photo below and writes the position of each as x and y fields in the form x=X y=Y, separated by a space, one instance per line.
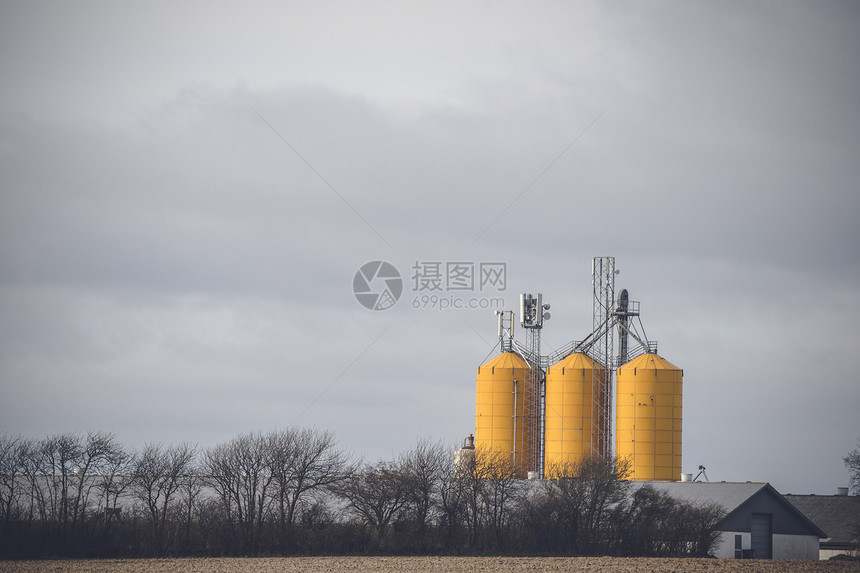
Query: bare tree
x=499 y=493
x=303 y=463
x=651 y=523
x=491 y=488
x=30 y=471
x=376 y=494
x=191 y=486
x=643 y=523
x=13 y=454
x=700 y=522
x=239 y=472
x=422 y=468
x=852 y=464
x=91 y=459
x=451 y=494
x=603 y=488
x=471 y=477
x=579 y=500
x=277 y=488
x=115 y=478
x=49 y=471
x=157 y=478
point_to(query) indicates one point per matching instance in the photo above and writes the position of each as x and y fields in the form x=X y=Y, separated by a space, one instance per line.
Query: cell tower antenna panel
x=532 y=310
x=506 y=329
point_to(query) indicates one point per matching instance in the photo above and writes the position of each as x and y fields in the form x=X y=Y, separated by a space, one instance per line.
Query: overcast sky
x=188 y=189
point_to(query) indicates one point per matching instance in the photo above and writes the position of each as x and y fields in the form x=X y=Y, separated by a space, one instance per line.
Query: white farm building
x=759 y=522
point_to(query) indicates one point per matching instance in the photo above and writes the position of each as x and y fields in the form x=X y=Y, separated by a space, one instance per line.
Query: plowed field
x=421 y=565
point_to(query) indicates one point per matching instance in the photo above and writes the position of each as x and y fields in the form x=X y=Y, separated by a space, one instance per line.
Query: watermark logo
x=436 y=285
x=377 y=285
x=449 y=276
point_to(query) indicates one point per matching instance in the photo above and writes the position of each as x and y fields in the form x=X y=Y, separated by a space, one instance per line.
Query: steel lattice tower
x=532 y=405
x=531 y=318
x=603 y=283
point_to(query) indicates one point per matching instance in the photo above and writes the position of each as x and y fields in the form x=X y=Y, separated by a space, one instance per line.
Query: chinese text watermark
x=436 y=284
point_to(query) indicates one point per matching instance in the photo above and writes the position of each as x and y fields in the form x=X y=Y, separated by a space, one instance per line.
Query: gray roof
x=838 y=515
x=729 y=495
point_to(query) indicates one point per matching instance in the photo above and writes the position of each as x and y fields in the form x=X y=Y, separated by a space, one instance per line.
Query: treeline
x=296 y=492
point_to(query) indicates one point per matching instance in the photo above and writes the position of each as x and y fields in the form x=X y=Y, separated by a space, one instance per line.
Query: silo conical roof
x=576 y=360
x=649 y=361
x=506 y=360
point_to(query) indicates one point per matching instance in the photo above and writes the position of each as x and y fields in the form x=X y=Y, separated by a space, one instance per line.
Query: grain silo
x=499 y=407
x=546 y=413
x=648 y=417
x=574 y=412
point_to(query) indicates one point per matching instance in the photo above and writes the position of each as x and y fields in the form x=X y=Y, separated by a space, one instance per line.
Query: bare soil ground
x=422 y=565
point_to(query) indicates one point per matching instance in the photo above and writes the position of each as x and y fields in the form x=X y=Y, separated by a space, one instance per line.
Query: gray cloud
x=171 y=269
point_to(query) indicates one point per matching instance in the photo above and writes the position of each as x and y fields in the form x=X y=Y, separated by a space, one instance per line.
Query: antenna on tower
x=532 y=316
x=506 y=329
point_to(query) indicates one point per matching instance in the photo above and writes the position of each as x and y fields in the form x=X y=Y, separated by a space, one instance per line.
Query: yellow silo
x=571 y=412
x=499 y=400
x=648 y=417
